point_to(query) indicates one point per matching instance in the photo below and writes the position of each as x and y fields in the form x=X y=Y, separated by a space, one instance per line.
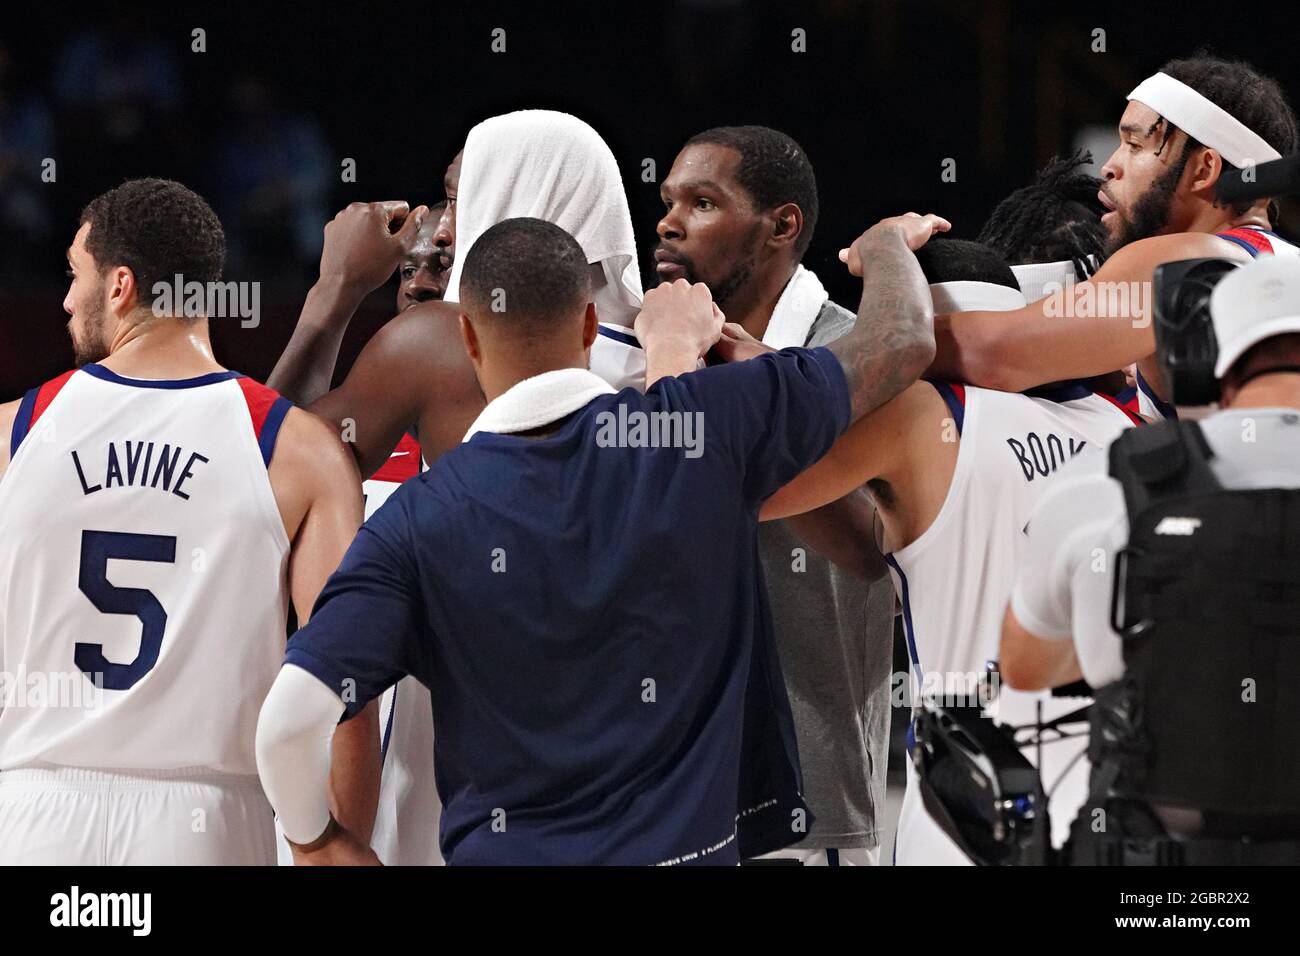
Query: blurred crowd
x=115 y=97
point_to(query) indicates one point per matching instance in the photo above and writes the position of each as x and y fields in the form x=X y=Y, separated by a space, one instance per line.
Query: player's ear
x=122 y=291
x=590 y=326
x=470 y=339
x=787 y=225
x=1204 y=169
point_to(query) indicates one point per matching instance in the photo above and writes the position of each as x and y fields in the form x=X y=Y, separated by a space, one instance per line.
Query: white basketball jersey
x=409 y=812
x=143 y=587
x=617 y=357
x=954 y=581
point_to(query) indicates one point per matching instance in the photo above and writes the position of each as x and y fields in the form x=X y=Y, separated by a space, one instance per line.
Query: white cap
x=1255 y=302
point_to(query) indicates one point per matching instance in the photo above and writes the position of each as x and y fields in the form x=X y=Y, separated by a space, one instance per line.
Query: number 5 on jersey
x=97 y=547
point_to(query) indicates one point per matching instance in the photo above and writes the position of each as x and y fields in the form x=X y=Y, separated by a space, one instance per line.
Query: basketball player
x=158 y=513
x=589 y=711
x=954 y=472
x=1183 y=129
x=740 y=209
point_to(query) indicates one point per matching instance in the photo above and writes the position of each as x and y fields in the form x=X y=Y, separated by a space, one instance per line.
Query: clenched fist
x=679 y=317
x=363 y=245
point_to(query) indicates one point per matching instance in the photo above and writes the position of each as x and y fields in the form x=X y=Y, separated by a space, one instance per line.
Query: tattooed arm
x=892 y=342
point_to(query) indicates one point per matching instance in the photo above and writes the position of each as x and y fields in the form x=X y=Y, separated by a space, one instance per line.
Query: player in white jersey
x=157 y=514
x=954 y=472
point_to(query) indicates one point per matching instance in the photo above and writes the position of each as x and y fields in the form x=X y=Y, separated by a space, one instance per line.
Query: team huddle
x=590 y=574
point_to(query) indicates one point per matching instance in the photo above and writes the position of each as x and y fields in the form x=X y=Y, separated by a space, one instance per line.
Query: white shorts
x=74 y=817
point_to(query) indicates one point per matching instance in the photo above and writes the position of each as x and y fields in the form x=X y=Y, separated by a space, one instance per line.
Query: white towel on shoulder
x=796 y=310
x=538 y=401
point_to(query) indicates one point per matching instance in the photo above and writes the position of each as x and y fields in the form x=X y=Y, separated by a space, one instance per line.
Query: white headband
x=968 y=295
x=1203 y=121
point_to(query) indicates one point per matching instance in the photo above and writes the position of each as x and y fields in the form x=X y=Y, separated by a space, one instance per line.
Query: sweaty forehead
x=424 y=247
x=705 y=163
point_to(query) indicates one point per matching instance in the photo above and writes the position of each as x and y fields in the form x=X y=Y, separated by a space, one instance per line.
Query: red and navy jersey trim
x=1132 y=415
x=32 y=407
x=266 y=408
x=198 y=381
x=1253 y=241
x=954 y=396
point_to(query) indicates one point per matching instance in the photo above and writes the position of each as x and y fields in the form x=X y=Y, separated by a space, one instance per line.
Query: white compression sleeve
x=294 y=733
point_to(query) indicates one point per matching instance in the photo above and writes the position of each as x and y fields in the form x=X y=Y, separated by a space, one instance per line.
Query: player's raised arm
x=363 y=245
x=872 y=447
x=1088 y=329
x=415 y=361
x=844 y=533
x=893 y=339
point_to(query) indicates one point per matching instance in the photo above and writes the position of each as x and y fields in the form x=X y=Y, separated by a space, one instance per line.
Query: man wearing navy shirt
x=578 y=582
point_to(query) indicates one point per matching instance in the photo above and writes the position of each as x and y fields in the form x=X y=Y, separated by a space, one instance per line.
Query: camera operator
x=1175 y=568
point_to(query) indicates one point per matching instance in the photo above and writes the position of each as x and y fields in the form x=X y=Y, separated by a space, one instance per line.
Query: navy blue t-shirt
x=590 y=619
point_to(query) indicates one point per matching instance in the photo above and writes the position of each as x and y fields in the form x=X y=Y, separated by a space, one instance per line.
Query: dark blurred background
x=261 y=121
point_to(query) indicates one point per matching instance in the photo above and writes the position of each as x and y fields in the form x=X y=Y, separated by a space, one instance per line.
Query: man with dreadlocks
x=1185 y=128
x=1050 y=232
